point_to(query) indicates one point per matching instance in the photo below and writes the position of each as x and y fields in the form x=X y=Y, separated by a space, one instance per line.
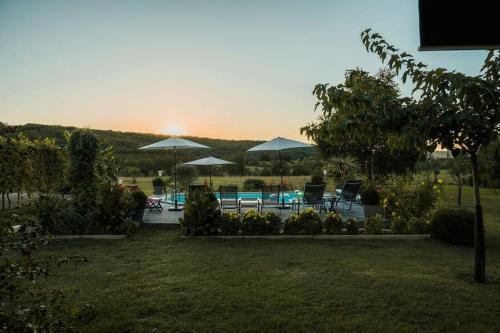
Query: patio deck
x=168 y=217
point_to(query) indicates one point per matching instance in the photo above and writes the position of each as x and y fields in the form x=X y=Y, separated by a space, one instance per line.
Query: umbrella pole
x=176 y=208
x=281 y=183
x=210 y=174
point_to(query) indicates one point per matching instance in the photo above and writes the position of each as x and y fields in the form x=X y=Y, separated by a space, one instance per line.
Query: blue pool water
x=289 y=196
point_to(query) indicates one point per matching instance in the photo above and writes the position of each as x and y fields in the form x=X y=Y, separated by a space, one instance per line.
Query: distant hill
x=128 y=155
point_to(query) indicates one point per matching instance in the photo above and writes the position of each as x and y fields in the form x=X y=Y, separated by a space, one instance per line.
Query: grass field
x=157 y=280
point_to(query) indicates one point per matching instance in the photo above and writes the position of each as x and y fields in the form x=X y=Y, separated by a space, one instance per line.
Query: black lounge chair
x=228 y=197
x=348 y=194
x=313 y=196
x=271 y=196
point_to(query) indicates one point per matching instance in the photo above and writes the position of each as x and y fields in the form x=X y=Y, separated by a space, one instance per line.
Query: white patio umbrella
x=209 y=161
x=174 y=143
x=280 y=144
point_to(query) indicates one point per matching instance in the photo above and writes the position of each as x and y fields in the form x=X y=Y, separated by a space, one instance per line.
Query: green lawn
x=156 y=279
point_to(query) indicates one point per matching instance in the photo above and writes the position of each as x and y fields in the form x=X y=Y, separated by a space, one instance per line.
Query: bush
x=253 y=184
x=308 y=222
x=419 y=225
x=58 y=216
x=140 y=199
x=186 y=175
x=114 y=207
x=373 y=225
x=291 y=225
x=201 y=215
x=370 y=195
x=317 y=179
x=253 y=223
x=352 y=226
x=453 y=225
x=273 y=223
x=230 y=223
x=400 y=225
x=158 y=182
x=333 y=224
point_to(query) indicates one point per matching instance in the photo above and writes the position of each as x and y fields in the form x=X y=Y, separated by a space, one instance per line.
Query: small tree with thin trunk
x=457 y=111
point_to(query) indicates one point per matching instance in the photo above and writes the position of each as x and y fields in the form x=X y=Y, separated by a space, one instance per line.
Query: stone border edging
x=326 y=237
x=90 y=236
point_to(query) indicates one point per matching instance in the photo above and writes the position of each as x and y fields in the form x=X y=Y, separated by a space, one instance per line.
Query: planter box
x=328 y=237
x=91 y=236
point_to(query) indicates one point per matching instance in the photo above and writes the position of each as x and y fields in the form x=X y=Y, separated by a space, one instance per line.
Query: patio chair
x=228 y=197
x=348 y=194
x=313 y=196
x=271 y=196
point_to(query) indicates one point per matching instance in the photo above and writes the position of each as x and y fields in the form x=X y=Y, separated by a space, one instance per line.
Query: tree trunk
x=459 y=196
x=479 y=250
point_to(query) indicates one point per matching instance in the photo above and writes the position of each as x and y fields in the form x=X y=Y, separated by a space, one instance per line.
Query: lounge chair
x=271 y=196
x=313 y=196
x=228 y=197
x=348 y=194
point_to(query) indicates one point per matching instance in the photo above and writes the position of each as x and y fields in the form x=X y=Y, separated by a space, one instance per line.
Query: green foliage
x=83 y=151
x=57 y=216
x=230 y=223
x=373 y=225
x=340 y=167
x=140 y=200
x=24 y=305
x=114 y=209
x=369 y=194
x=401 y=226
x=352 y=226
x=253 y=184
x=253 y=223
x=333 y=224
x=158 y=182
x=317 y=179
x=419 y=225
x=186 y=175
x=307 y=222
x=455 y=226
x=273 y=223
x=201 y=215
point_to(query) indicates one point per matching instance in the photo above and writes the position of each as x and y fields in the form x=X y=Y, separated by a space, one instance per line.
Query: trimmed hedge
x=455 y=226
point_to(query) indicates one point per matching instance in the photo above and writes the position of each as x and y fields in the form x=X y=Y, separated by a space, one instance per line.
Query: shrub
x=253 y=223
x=292 y=225
x=114 y=207
x=453 y=225
x=186 y=175
x=252 y=184
x=333 y=224
x=273 y=223
x=230 y=223
x=308 y=222
x=419 y=225
x=201 y=215
x=373 y=225
x=158 y=182
x=140 y=199
x=352 y=226
x=370 y=195
x=400 y=225
x=317 y=179
x=57 y=216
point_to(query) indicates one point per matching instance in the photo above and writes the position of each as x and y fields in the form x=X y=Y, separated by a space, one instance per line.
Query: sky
x=221 y=69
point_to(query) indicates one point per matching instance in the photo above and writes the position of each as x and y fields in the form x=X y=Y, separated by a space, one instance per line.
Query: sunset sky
x=224 y=69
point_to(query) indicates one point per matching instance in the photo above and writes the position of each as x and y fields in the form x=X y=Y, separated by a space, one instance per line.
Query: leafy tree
x=490 y=160
x=83 y=152
x=457 y=111
x=348 y=127
x=459 y=167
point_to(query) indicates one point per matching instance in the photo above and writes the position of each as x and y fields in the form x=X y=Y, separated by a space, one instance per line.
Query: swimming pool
x=289 y=196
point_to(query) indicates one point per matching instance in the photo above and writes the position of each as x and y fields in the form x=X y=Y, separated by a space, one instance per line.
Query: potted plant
x=158 y=185
x=370 y=199
x=140 y=200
